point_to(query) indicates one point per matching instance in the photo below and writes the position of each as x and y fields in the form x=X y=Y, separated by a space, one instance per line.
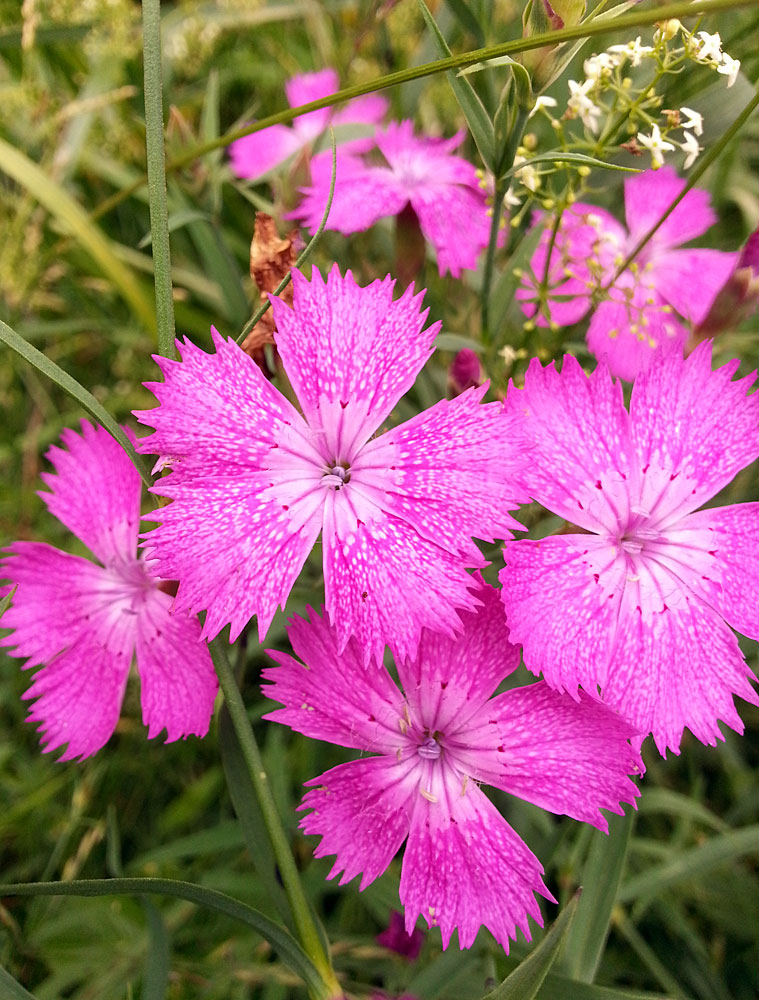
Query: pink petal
x=585 y=235
x=696 y=424
x=177 y=678
x=95 y=491
x=450 y=679
x=562 y=597
x=455 y=220
x=464 y=867
x=647 y=197
x=361 y=811
x=675 y=664
x=234 y=553
x=689 y=280
x=579 y=445
x=362 y=196
x=309 y=87
x=570 y=757
x=458 y=470
x=733 y=541
x=254 y=155
x=331 y=696
x=64 y=616
x=368 y=110
x=384 y=583
x=628 y=334
x=351 y=352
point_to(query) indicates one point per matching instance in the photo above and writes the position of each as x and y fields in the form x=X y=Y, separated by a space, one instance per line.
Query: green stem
x=487 y=278
x=705 y=162
x=156 y=160
x=305 y=925
x=587 y=29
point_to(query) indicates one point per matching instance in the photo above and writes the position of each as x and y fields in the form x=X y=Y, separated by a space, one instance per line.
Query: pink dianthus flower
x=83 y=622
x=254 y=482
x=652 y=300
x=423 y=172
x=254 y=155
x=639 y=605
x=463 y=866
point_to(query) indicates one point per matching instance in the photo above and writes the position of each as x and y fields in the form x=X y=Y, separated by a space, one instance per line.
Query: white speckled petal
x=464 y=867
x=332 y=696
x=95 y=491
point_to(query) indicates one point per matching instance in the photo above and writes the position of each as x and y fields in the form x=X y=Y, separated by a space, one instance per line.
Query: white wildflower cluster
x=707 y=49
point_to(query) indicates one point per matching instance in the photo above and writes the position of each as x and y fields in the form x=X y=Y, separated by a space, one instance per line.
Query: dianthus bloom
x=463 y=867
x=652 y=300
x=254 y=155
x=254 y=482
x=83 y=622
x=442 y=189
x=640 y=603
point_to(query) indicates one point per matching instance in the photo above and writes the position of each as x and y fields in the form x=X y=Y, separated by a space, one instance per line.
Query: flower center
x=336 y=477
x=429 y=749
x=633 y=542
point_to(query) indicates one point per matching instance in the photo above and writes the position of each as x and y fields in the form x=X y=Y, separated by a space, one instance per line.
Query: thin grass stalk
x=156 y=162
x=308 y=932
x=587 y=29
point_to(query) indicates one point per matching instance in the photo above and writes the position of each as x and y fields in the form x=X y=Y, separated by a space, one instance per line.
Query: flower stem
x=487 y=277
x=305 y=924
x=156 y=161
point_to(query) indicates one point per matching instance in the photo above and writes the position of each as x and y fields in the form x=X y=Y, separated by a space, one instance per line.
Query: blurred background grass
x=686 y=923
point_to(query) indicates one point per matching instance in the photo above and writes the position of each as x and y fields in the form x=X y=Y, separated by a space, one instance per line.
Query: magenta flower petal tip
x=422 y=172
x=81 y=623
x=639 y=601
x=254 y=481
x=435 y=740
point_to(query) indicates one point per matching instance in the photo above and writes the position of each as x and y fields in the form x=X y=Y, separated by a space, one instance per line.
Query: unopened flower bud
x=465 y=372
x=667 y=30
x=530 y=141
x=738 y=297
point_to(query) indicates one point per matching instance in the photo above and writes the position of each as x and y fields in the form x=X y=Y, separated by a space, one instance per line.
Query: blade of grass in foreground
x=70 y=385
x=76 y=221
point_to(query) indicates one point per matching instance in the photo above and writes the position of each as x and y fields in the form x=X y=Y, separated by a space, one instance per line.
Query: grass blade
x=586 y=940
x=59 y=203
x=280 y=939
x=12 y=990
x=155 y=980
x=525 y=981
x=476 y=116
x=70 y=385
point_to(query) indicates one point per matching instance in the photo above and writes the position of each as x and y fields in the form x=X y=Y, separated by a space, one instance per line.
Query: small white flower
x=634 y=51
x=691 y=149
x=542 y=102
x=729 y=67
x=580 y=105
x=694 y=120
x=528 y=175
x=599 y=67
x=709 y=48
x=510 y=199
x=655 y=145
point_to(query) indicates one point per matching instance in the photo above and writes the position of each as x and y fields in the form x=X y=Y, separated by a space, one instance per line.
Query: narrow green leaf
x=558 y=157
x=690 y=865
x=467 y=19
x=6 y=601
x=249 y=813
x=280 y=939
x=586 y=940
x=75 y=220
x=477 y=117
x=525 y=981
x=156 y=162
x=70 y=385
x=155 y=981
x=11 y=989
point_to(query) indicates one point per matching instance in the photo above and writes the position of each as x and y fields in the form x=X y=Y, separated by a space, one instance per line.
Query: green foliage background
x=686 y=919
